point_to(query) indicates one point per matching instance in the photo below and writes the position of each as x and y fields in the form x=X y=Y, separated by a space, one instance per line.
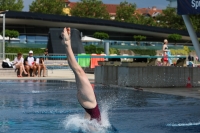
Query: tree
x=174 y=37
x=195 y=22
x=48 y=7
x=90 y=9
x=13 y=5
x=170 y=19
x=101 y=35
x=139 y=38
x=125 y=11
x=144 y=20
x=11 y=34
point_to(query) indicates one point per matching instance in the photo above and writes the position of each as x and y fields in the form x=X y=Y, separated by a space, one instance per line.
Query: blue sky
x=160 y=4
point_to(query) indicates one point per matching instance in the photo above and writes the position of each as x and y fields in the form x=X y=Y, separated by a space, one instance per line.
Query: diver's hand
x=66 y=37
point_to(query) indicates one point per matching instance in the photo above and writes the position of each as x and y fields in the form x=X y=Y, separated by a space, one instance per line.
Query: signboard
x=186 y=7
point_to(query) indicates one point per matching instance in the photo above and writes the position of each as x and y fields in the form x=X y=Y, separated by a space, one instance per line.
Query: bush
x=174 y=37
x=93 y=49
x=114 y=51
x=184 y=51
x=101 y=35
x=178 y=52
x=90 y=49
x=37 y=51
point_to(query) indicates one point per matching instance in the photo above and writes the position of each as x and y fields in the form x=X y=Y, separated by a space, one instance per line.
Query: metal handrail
x=117 y=56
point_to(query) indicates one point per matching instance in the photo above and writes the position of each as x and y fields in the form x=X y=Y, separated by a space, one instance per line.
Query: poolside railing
x=61 y=59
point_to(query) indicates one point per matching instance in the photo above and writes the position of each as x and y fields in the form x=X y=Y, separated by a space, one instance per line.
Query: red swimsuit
x=94 y=113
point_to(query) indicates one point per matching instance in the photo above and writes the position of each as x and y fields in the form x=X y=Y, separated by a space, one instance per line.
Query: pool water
x=30 y=106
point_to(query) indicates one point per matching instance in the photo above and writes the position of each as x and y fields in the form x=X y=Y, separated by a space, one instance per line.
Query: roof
x=148 y=11
x=111 y=8
x=51 y=20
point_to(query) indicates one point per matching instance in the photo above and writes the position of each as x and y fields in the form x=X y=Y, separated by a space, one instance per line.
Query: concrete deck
x=67 y=75
x=55 y=74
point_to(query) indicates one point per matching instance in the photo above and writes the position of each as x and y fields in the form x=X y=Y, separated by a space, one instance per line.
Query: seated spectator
x=38 y=67
x=19 y=64
x=159 y=60
x=41 y=67
x=30 y=64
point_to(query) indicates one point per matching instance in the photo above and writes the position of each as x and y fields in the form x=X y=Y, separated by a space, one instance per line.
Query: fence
x=59 y=61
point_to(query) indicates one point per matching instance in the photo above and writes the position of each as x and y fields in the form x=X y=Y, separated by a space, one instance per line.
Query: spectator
x=19 y=64
x=159 y=60
x=165 y=50
x=30 y=64
x=42 y=67
x=190 y=62
x=166 y=53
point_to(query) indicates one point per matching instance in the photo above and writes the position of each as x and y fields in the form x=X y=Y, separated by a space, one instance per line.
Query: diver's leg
x=85 y=94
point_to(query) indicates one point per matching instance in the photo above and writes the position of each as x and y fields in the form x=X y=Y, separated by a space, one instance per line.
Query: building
x=149 y=12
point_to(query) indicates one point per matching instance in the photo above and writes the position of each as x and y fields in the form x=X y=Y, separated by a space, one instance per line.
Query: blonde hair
x=165 y=41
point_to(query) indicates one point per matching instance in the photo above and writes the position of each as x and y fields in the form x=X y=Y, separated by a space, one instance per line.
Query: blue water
x=40 y=106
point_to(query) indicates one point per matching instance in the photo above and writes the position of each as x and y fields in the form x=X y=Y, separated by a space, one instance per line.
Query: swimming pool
x=50 y=106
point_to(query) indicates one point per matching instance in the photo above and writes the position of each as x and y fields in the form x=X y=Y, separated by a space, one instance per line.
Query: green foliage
x=11 y=34
x=125 y=11
x=195 y=19
x=99 y=50
x=170 y=19
x=144 y=52
x=174 y=37
x=12 y=5
x=48 y=7
x=139 y=37
x=114 y=51
x=90 y=9
x=24 y=51
x=178 y=52
x=143 y=20
x=91 y=49
x=184 y=51
x=186 y=48
x=101 y=35
x=37 y=51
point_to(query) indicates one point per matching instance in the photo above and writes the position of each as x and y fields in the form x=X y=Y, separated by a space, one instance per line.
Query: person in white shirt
x=30 y=63
x=18 y=63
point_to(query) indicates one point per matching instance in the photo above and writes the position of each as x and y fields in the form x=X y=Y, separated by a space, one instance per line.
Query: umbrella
x=7 y=38
x=90 y=39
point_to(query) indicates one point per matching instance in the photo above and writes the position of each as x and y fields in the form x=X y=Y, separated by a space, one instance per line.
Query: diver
x=85 y=92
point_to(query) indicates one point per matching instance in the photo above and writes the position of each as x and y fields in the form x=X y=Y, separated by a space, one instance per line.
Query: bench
x=8 y=72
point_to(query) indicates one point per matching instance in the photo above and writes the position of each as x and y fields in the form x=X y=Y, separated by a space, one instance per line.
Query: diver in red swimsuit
x=85 y=92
